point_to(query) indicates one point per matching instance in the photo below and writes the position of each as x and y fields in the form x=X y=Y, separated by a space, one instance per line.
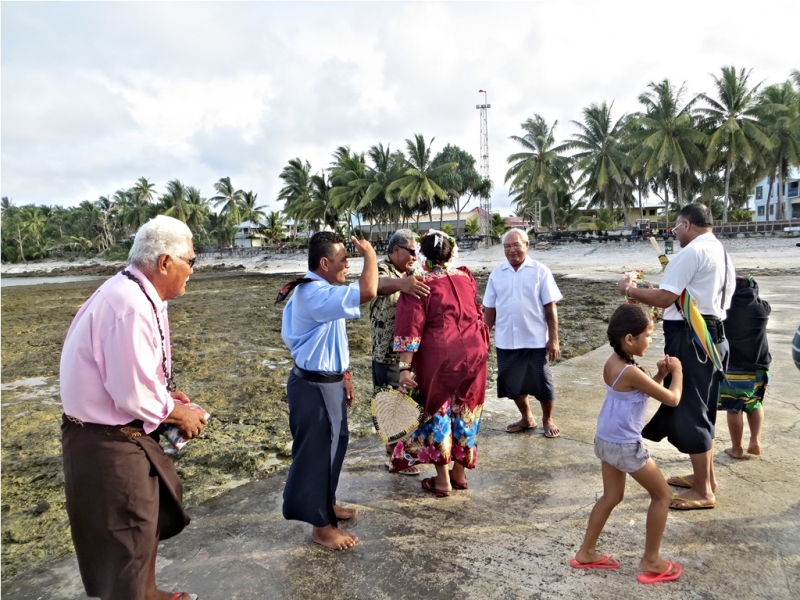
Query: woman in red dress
x=443 y=344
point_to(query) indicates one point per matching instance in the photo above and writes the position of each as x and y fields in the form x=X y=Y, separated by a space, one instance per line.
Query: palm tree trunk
x=781 y=213
x=727 y=191
x=680 y=192
x=441 y=216
x=552 y=206
x=641 y=212
x=770 y=182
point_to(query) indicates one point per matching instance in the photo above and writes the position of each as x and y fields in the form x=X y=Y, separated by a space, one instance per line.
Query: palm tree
x=230 y=200
x=603 y=158
x=541 y=170
x=143 y=190
x=379 y=204
x=221 y=230
x=568 y=211
x=274 y=226
x=667 y=140
x=197 y=209
x=296 y=190
x=464 y=182
x=780 y=104
x=174 y=202
x=733 y=118
x=251 y=212
x=498 y=225
x=419 y=185
x=348 y=181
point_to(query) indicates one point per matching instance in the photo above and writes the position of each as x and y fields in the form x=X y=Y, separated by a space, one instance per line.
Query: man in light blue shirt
x=319 y=387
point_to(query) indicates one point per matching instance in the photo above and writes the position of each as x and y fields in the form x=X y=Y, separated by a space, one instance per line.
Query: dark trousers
x=318 y=422
x=121 y=494
x=690 y=425
x=385 y=375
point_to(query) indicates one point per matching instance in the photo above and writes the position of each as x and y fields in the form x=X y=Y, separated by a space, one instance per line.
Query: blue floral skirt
x=450 y=435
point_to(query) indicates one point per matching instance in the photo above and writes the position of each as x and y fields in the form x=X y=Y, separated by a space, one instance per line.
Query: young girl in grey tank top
x=619 y=446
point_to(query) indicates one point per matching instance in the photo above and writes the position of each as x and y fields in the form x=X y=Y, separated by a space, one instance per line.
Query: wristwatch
x=627 y=290
x=404 y=366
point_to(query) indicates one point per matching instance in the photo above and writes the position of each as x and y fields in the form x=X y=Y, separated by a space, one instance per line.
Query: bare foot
x=754 y=448
x=344 y=513
x=331 y=537
x=733 y=453
x=686 y=481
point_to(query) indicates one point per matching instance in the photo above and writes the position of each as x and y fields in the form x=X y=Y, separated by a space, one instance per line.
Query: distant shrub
x=117 y=252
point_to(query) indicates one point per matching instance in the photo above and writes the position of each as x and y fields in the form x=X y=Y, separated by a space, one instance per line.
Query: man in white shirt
x=703 y=269
x=520 y=300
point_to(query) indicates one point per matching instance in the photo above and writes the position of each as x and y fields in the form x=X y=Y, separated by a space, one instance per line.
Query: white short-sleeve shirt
x=519 y=298
x=700 y=268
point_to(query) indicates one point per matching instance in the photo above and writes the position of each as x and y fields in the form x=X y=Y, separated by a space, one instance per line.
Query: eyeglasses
x=189 y=261
x=411 y=251
x=681 y=223
x=516 y=246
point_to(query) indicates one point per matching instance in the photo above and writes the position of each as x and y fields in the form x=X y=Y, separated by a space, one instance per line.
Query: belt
x=315 y=377
x=132 y=429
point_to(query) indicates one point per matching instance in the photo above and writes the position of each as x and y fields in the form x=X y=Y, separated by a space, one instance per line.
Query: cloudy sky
x=96 y=95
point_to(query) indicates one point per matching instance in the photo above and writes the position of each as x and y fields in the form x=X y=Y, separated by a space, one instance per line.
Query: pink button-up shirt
x=111 y=366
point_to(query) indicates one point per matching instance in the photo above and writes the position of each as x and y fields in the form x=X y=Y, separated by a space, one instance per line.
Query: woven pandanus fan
x=395 y=415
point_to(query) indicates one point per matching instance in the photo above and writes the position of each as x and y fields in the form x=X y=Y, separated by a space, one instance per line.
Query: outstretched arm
x=655 y=297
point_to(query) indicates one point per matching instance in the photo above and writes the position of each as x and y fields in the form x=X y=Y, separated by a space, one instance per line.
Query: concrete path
x=513 y=532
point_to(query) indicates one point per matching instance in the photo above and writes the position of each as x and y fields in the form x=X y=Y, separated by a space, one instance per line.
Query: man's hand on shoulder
x=415 y=286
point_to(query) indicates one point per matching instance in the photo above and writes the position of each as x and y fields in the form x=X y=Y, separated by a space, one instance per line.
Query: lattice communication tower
x=486 y=203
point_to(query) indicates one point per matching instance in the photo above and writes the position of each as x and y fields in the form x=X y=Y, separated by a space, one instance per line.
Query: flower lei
x=638 y=275
x=427 y=264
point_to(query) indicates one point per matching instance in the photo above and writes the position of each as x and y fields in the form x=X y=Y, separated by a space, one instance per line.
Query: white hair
x=160 y=235
x=515 y=231
x=401 y=237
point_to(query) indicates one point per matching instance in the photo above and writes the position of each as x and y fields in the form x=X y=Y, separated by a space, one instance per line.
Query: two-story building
x=765 y=198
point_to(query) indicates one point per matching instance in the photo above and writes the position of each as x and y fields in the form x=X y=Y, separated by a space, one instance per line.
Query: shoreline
x=604 y=260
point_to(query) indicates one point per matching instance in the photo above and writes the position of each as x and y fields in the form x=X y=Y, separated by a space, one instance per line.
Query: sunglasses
x=411 y=251
x=190 y=261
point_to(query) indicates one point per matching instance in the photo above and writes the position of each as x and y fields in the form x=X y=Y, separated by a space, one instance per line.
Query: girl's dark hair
x=438 y=255
x=628 y=318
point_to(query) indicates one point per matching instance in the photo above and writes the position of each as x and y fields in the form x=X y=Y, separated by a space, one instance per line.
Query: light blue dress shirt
x=313 y=324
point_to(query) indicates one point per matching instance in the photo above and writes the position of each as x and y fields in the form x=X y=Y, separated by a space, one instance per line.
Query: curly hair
x=627 y=319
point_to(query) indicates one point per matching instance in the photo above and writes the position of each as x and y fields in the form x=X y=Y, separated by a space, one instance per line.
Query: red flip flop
x=604 y=563
x=649 y=577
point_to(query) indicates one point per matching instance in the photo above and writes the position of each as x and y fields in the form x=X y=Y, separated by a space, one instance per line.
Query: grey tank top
x=622 y=417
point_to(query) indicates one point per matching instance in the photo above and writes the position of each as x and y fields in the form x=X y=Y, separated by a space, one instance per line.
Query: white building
x=791 y=197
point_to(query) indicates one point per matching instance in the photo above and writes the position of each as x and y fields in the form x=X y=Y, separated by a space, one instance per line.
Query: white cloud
x=95 y=95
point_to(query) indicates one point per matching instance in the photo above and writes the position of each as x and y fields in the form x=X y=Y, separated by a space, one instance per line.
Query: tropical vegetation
x=710 y=148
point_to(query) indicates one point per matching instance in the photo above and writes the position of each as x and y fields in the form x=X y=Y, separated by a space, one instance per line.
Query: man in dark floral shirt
x=395 y=277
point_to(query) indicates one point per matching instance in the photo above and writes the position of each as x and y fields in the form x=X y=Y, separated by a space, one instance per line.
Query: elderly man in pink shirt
x=123 y=493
